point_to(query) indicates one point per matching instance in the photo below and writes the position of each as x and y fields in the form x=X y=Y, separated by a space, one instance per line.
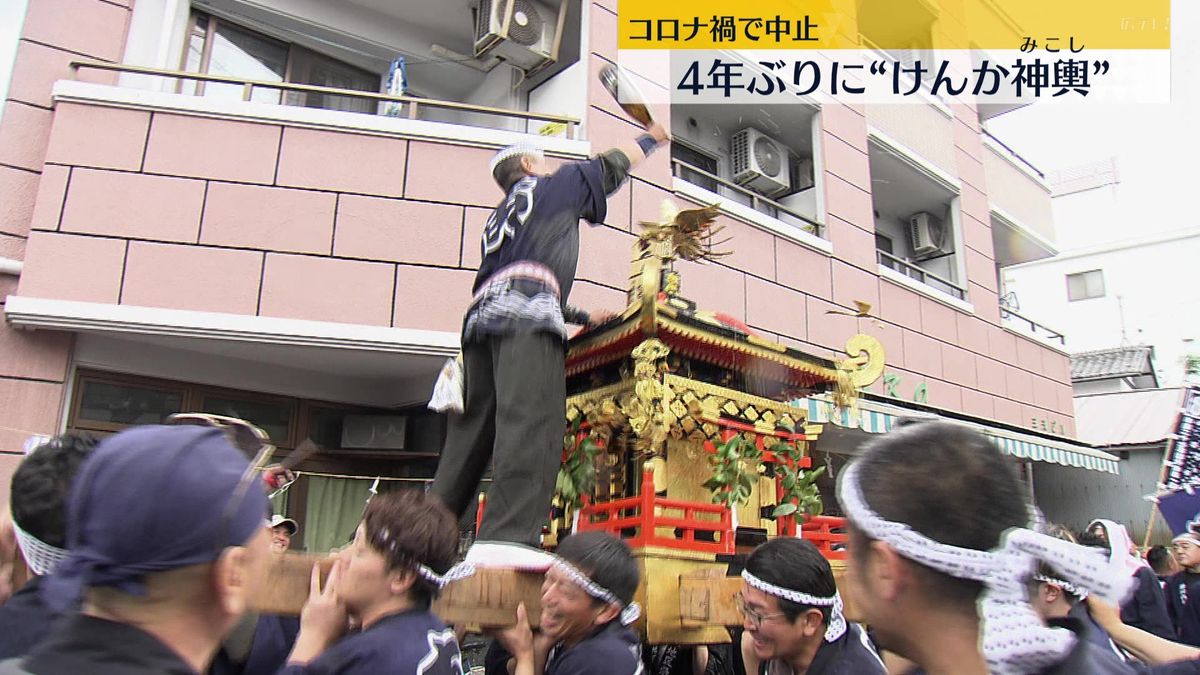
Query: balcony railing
x=745 y=196
x=413 y=106
x=1034 y=328
x=920 y=274
x=1013 y=154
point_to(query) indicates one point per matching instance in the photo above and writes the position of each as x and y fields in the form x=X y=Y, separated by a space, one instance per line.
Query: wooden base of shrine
x=663 y=603
x=691 y=600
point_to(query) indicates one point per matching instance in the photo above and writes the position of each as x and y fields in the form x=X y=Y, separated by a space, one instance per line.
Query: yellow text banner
x=1030 y=25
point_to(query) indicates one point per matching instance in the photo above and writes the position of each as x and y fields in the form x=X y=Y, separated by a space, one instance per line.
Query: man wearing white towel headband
x=402 y=555
x=513 y=343
x=1183 y=588
x=587 y=607
x=41 y=488
x=792 y=615
x=942 y=557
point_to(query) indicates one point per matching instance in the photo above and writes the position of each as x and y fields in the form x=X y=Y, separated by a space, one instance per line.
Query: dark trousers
x=513 y=415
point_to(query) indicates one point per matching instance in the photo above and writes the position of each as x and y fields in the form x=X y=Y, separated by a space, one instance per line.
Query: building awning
x=875 y=417
x=1138 y=417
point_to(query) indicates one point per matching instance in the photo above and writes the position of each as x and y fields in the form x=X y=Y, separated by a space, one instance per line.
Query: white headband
x=41 y=557
x=837 y=620
x=460 y=571
x=629 y=613
x=514 y=151
x=1014 y=640
x=1187 y=536
x=1071 y=588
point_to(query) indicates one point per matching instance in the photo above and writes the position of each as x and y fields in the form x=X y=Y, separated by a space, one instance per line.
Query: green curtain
x=335 y=506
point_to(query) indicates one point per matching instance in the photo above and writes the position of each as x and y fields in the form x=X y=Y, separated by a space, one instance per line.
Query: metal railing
x=1046 y=332
x=920 y=274
x=681 y=169
x=1014 y=154
x=413 y=105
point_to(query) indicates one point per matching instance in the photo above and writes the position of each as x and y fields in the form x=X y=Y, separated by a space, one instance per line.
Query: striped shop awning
x=877 y=418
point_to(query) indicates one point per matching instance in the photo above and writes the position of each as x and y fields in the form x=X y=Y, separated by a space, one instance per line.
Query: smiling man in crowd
x=587 y=605
x=793 y=615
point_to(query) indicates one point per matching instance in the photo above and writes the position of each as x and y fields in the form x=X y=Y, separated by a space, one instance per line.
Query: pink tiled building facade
x=304 y=259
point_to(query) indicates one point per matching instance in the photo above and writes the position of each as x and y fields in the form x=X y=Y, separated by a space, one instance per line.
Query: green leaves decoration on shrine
x=801 y=495
x=577 y=475
x=732 y=482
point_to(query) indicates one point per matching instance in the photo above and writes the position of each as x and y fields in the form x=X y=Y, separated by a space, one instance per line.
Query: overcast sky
x=1157 y=146
x=12 y=14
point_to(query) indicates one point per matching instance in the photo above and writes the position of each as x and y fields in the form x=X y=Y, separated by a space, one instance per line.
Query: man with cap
x=260 y=643
x=941 y=565
x=40 y=488
x=513 y=344
x=282 y=531
x=1183 y=588
x=587 y=606
x=402 y=555
x=165 y=538
x=792 y=615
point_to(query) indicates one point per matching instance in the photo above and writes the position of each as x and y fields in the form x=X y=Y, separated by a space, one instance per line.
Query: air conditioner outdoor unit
x=926 y=234
x=525 y=38
x=374 y=432
x=760 y=162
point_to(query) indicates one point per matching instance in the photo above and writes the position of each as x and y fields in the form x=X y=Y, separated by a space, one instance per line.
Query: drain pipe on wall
x=11 y=267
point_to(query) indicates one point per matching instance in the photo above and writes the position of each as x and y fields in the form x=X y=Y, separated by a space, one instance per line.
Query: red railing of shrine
x=647 y=513
x=827 y=532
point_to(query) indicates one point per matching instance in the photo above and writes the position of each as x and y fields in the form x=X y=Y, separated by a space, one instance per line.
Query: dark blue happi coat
x=851 y=654
x=415 y=642
x=613 y=650
x=1183 y=604
x=1147 y=608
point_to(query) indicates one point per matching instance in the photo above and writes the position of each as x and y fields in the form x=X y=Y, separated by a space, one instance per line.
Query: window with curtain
x=218 y=47
x=335 y=506
x=309 y=67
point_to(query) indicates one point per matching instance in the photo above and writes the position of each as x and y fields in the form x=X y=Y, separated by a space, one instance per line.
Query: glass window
x=274 y=417
x=884 y=244
x=240 y=53
x=218 y=47
x=691 y=157
x=109 y=404
x=1085 y=285
x=312 y=68
x=325 y=426
x=193 y=58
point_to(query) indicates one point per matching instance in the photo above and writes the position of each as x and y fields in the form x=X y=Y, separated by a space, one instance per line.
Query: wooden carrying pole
x=487 y=598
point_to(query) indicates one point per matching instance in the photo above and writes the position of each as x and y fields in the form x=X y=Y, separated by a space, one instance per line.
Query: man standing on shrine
x=513 y=344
